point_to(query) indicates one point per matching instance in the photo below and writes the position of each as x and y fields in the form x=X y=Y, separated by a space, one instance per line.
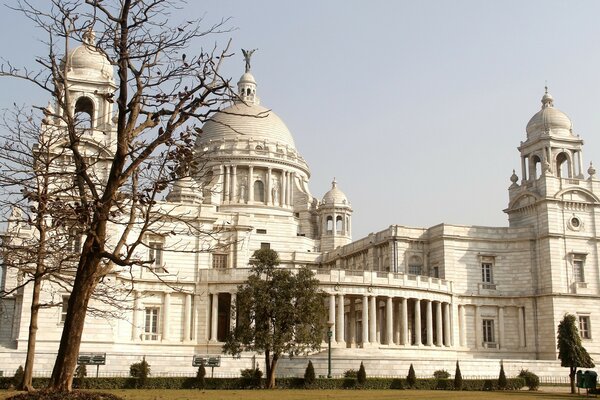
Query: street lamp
x=329 y=335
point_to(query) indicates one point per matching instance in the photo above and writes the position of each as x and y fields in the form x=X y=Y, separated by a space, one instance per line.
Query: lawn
x=327 y=394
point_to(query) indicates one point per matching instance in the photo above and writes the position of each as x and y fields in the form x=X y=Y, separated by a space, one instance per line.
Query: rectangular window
x=584 y=327
x=261 y=231
x=74 y=242
x=486 y=272
x=155 y=255
x=436 y=272
x=63 y=308
x=151 y=323
x=578 y=267
x=265 y=246
x=488 y=331
x=219 y=261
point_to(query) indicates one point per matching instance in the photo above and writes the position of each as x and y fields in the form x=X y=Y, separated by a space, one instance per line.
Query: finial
x=547 y=99
x=333 y=183
x=592 y=171
x=514 y=178
x=247 y=57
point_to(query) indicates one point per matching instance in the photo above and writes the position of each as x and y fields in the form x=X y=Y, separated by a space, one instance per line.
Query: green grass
x=326 y=394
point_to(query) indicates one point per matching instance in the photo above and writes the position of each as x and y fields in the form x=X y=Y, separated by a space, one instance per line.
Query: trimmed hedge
x=282 y=383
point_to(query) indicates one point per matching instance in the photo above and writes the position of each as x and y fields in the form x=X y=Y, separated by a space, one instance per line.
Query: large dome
x=549 y=120
x=86 y=62
x=251 y=121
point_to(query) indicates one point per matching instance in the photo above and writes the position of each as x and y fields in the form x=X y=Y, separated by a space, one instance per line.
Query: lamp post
x=329 y=335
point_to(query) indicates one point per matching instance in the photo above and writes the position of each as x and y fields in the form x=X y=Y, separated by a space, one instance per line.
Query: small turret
x=335 y=215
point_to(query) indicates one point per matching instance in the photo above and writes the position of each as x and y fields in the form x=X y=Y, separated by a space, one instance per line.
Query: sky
x=415 y=107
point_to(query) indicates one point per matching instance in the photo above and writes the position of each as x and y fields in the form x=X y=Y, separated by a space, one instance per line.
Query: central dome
x=252 y=121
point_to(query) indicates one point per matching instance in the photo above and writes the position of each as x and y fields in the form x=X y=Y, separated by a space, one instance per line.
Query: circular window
x=575 y=224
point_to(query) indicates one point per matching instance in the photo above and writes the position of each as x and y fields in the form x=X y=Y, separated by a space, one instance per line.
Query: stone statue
x=247 y=57
x=275 y=192
x=243 y=190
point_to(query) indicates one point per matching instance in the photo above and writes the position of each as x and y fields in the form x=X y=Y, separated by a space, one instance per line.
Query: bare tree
x=160 y=94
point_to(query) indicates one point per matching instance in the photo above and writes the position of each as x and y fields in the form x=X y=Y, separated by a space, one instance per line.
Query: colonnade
x=389 y=321
x=277 y=190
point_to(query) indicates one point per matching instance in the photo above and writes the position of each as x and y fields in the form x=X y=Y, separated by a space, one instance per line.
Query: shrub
x=411 y=378
x=488 y=385
x=309 y=374
x=18 y=377
x=200 y=375
x=251 y=378
x=350 y=373
x=361 y=376
x=532 y=381
x=441 y=374
x=458 y=381
x=141 y=371
x=81 y=371
x=502 y=378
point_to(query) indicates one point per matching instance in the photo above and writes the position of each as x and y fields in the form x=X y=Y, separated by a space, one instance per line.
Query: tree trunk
x=83 y=287
x=572 y=374
x=271 y=375
x=27 y=382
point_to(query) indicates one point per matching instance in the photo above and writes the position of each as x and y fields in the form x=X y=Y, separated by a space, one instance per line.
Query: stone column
x=352 y=323
x=397 y=321
x=389 y=319
x=291 y=187
x=234 y=184
x=447 y=340
x=365 y=321
x=135 y=324
x=332 y=317
x=418 y=341
x=226 y=184
x=269 y=187
x=521 y=326
x=439 y=329
x=214 y=317
x=232 y=316
x=195 y=317
x=250 y=184
x=523 y=169
x=166 y=315
x=404 y=324
x=187 y=316
x=340 y=336
x=478 y=328
x=429 y=321
x=501 y=327
x=373 y=319
x=462 y=325
x=284 y=183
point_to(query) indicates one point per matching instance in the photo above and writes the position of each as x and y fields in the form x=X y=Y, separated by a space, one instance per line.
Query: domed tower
x=89 y=86
x=551 y=160
x=335 y=214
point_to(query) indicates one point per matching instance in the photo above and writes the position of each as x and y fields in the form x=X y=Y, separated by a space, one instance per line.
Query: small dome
x=245 y=121
x=335 y=195
x=86 y=62
x=247 y=78
x=549 y=120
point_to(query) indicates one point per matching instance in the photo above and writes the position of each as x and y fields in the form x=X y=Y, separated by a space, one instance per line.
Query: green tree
x=570 y=350
x=309 y=374
x=279 y=312
x=458 y=381
x=361 y=376
x=502 y=382
x=201 y=375
x=141 y=371
x=411 y=378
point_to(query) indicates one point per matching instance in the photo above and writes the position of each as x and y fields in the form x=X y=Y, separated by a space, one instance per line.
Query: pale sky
x=415 y=107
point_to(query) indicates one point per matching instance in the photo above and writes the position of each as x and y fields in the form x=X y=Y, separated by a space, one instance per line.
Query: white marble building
x=430 y=296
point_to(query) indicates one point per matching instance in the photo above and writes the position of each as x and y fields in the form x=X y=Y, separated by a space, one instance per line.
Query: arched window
x=207 y=187
x=562 y=166
x=537 y=167
x=338 y=224
x=330 y=224
x=259 y=191
x=415 y=265
x=84 y=113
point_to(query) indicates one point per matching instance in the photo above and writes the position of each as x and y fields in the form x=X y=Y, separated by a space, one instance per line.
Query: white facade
x=430 y=296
